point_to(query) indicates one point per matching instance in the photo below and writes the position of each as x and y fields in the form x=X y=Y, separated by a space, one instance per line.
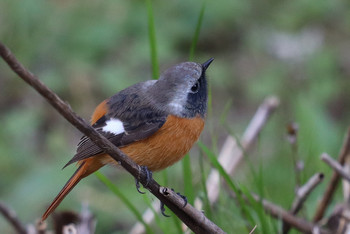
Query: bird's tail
x=84 y=170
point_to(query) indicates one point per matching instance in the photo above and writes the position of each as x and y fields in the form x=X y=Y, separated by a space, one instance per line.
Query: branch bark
x=301 y=196
x=195 y=219
x=345 y=151
x=336 y=166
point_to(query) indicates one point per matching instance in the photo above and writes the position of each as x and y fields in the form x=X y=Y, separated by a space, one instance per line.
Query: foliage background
x=88 y=50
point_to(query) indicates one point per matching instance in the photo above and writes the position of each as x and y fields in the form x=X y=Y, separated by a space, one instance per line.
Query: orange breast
x=167 y=146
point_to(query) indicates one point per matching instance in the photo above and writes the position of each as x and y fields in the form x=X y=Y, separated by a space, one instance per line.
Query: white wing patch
x=114 y=126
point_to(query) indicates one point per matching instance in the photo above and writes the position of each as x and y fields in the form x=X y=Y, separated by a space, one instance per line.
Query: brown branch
x=12 y=218
x=302 y=194
x=345 y=151
x=336 y=166
x=195 y=220
x=304 y=191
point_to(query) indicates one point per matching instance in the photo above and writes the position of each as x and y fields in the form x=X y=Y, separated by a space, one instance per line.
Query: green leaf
x=246 y=213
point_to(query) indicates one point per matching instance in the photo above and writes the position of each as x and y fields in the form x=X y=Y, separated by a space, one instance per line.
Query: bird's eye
x=195 y=87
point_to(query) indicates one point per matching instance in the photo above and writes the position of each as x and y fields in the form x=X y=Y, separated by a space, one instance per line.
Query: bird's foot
x=162 y=205
x=143 y=169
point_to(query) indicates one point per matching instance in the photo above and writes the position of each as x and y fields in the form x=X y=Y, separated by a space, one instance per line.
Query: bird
x=155 y=123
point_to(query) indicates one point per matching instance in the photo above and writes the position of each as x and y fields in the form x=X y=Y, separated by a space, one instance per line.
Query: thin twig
x=334 y=180
x=336 y=166
x=12 y=218
x=304 y=191
x=197 y=222
x=302 y=194
x=251 y=232
x=230 y=156
x=292 y=137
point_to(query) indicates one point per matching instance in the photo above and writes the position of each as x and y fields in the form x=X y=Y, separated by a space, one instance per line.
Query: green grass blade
x=207 y=206
x=186 y=162
x=177 y=223
x=196 y=32
x=246 y=213
x=152 y=40
x=257 y=206
x=159 y=223
x=122 y=197
x=187 y=177
x=224 y=113
x=165 y=177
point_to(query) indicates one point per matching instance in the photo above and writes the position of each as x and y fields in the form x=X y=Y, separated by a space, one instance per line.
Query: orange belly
x=167 y=146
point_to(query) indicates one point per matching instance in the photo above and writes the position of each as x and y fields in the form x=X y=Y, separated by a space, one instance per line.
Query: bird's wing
x=122 y=126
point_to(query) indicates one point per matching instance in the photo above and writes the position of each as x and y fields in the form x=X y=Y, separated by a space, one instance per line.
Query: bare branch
x=304 y=191
x=12 y=218
x=302 y=194
x=251 y=232
x=345 y=151
x=175 y=204
x=336 y=166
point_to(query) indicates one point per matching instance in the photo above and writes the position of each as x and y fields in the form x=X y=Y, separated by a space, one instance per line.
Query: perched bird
x=155 y=123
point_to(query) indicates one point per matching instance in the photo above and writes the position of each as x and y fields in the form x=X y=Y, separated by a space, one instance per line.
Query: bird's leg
x=148 y=173
x=162 y=208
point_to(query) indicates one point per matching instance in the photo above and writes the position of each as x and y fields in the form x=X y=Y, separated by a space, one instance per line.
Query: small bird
x=155 y=123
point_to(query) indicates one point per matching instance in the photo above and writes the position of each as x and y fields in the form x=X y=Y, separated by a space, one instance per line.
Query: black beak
x=207 y=63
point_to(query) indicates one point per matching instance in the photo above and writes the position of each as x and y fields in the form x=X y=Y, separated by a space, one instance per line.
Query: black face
x=197 y=98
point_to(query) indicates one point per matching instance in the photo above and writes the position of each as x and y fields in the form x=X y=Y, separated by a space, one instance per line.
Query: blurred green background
x=88 y=50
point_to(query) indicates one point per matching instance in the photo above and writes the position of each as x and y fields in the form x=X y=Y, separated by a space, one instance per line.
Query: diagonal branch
x=336 y=166
x=195 y=219
x=302 y=194
x=345 y=152
x=12 y=218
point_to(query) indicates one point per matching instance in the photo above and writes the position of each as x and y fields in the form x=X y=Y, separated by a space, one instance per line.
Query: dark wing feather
x=139 y=117
x=87 y=148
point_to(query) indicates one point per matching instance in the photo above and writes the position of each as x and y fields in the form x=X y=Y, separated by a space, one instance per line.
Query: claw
x=184 y=198
x=162 y=210
x=148 y=179
x=138 y=186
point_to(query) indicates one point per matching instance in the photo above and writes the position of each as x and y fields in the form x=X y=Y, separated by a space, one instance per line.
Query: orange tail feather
x=86 y=168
